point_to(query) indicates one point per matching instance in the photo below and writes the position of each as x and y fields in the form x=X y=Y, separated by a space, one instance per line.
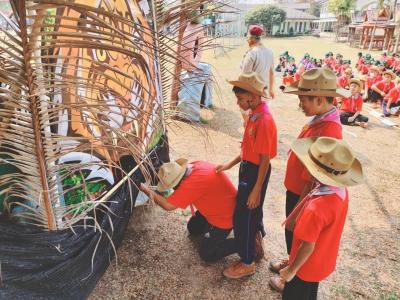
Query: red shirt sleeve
x=185 y=195
x=266 y=138
x=309 y=225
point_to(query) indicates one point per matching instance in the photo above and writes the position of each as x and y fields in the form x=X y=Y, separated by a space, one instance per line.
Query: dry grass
x=158 y=260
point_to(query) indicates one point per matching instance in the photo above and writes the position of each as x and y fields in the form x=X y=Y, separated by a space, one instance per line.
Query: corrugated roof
x=297 y=14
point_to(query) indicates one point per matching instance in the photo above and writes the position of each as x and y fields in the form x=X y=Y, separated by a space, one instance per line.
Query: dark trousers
x=215 y=245
x=291 y=201
x=374 y=96
x=247 y=222
x=344 y=118
x=298 y=289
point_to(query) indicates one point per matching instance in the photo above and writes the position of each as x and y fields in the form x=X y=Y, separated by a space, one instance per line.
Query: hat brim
x=352 y=177
x=293 y=89
x=390 y=73
x=183 y=163
x=247 y=87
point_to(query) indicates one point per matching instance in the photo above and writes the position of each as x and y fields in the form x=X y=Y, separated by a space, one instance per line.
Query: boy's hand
x=351 y=119
x=272 y=94
x=287 y=274
x=221 y=168
x=144 y=188
x=254 y=199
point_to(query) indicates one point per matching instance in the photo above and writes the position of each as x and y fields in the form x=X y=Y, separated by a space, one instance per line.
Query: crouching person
x=197 y=184
x=318 y=220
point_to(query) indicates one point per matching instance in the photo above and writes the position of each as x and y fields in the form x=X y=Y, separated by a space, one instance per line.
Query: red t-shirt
x=296 y=77
x=343 y=81
x=320 y=222
x=373 y=80
x=364 y=69
x=352 y=103
x=297 y=175
x=394 y=95
x=213 y=194
x=385 y=86
x=260 y=135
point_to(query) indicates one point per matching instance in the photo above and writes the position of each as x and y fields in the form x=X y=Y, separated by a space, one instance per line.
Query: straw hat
x=250 y=82
x=329 y=160
x=356 y=81
x=171 y=173
x=317 y=82
x=389 y=72
x=348 y=71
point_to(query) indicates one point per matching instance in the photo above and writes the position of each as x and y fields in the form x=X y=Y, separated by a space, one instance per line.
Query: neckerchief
x=333 y=115
x=319 y=190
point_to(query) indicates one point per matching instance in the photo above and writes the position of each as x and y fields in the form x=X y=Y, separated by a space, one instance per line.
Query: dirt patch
x=158 y=261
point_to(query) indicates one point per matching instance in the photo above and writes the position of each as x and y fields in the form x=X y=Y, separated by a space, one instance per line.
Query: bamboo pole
x=178 y=66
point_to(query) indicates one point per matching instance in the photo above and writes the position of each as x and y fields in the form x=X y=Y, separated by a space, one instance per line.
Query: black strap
x=325 y=167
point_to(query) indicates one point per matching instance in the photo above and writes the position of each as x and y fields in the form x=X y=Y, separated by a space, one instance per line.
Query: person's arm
x=376 y=89
x=229 y=165
x=254 y=197
x=303 y=254
x=351 y=119
x=271 y=82
x=306 y=189
x=158 y=199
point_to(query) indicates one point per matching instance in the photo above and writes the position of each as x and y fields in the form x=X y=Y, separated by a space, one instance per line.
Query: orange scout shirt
x=321 y=222
x=260 y=135
x=297 y=175
x=213 y=194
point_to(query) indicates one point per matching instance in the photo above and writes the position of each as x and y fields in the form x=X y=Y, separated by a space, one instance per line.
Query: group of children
x=319 y=167
x=376 y=82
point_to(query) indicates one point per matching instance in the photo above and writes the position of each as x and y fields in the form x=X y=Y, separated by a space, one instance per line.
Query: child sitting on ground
x=350 y=110
x=344 y=80
x=373 y=78
x=392 y=100
x=382 y=88
x=288 y=78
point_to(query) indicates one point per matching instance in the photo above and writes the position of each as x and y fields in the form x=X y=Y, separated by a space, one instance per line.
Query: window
x=295 y=26
x=300 y=26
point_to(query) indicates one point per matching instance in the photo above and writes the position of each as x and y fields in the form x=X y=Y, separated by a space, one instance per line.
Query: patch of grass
x=344 y=292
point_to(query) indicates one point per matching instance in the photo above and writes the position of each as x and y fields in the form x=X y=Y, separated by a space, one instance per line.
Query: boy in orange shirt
x=259 y=147
x=350 y=110
x=318 y=220
x=316 y=91
x=392 y=100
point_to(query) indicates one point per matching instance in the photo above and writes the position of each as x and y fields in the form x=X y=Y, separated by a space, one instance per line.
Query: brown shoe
x=239 y=270
x=278 y=265
x=277 y=283
x=259 y=247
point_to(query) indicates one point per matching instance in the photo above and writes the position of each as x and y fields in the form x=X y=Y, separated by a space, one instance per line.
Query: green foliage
x=341 y=7
x=315 y=8
x=267 y=16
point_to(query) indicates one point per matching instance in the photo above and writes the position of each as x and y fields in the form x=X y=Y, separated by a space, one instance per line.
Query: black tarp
x=58 y=265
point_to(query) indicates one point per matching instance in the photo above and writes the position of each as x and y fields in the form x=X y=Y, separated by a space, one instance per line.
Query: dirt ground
x=159 y=261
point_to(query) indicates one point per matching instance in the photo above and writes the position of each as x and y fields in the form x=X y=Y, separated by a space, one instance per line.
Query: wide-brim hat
x=357 y=81
x=250 y=82
x=391 y=73
x=317 y=82
x=323 y=155
x=171 y=173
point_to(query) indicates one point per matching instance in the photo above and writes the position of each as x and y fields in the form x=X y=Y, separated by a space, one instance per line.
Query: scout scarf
x=332 y=115
x=319 y=190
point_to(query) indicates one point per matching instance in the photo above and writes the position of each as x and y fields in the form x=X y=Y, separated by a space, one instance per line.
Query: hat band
x=325 y=167
x=316 y=90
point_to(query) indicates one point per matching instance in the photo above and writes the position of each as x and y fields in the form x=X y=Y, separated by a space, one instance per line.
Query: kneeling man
x=197 y=184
